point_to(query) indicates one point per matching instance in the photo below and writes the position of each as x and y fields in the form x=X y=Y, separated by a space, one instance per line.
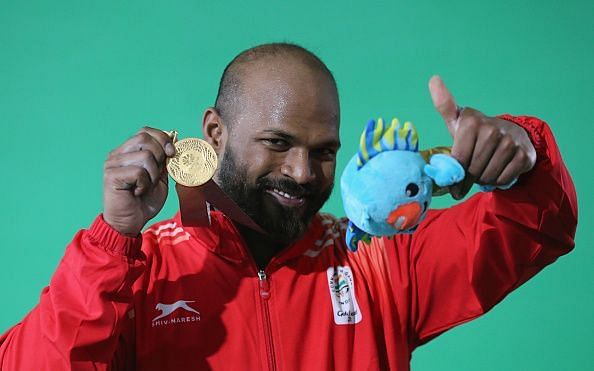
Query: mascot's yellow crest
x=379 y=137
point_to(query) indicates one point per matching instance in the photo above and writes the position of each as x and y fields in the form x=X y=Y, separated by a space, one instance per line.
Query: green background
x=79 y=77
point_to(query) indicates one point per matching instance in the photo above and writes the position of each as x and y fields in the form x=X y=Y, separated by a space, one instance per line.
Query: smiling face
x=278 y=150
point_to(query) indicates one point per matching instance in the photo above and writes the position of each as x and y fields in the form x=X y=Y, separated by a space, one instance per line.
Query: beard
x=282 y=223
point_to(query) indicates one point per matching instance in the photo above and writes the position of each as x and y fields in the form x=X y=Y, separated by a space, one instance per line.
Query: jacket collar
x=224 y=239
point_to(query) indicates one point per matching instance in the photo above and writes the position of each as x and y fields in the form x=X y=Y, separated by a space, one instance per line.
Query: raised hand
x=135 y=180
x=493 y=151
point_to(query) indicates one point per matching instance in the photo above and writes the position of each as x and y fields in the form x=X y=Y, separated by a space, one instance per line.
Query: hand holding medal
x=135 y=184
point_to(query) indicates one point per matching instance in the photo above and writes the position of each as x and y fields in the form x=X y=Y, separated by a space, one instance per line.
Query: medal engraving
x=194 y=163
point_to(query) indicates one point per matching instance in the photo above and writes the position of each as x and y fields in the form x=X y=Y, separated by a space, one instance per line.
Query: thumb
x=444 y=103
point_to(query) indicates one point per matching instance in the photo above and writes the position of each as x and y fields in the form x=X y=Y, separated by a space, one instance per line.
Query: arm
x=80 y=317
x=465 y=259
x=84 y=318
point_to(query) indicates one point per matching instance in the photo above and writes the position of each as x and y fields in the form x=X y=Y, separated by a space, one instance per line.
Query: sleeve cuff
x=535 y=129
x=104 y=236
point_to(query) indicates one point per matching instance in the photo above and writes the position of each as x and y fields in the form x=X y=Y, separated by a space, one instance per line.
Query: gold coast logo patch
x=342 y=292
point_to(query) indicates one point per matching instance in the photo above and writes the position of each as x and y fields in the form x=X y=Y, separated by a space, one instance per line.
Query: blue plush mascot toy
x=387 y=186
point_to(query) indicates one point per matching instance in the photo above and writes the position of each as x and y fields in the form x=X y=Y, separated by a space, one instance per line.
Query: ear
x=214 y=130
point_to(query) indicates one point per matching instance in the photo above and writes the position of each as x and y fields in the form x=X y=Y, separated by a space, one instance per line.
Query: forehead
x=288 y=95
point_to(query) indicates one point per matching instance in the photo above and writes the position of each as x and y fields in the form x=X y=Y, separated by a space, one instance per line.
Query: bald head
x=279 y=65
x=275 y=128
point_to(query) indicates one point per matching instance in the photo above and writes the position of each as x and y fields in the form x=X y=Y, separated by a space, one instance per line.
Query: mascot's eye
x=412 y=189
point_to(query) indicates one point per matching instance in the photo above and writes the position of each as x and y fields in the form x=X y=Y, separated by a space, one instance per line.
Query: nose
x=297 y=165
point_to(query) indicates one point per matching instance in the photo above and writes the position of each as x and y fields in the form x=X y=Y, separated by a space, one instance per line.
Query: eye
x=325 y=153
x=276 y=142
x=412 y=189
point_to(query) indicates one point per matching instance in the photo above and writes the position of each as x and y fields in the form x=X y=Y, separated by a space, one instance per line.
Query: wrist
x=105 y=236
x=122 y=228
x=534 y=128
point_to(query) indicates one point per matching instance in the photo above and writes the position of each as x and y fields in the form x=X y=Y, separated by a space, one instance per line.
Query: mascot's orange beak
x=405 y=216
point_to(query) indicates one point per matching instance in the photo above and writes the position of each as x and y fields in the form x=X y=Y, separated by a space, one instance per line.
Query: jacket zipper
x=265 y=295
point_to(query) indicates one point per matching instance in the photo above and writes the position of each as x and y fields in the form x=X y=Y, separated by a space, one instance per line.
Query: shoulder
x=331 y=222
x=334 y=230
x=371 y=262
x=165 y=232
x=326 y=233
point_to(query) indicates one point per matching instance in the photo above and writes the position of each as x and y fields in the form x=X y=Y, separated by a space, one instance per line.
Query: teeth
x=284 y=194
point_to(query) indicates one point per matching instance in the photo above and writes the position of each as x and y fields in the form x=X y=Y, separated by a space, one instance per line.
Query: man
x=225 y=297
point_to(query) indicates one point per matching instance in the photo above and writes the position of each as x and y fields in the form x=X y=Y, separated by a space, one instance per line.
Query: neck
x=262 y=247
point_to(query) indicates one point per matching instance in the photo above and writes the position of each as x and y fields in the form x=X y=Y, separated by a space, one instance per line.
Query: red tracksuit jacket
x=192 y=298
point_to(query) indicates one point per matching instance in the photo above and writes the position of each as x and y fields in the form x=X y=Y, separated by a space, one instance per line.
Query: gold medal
x=194 y=163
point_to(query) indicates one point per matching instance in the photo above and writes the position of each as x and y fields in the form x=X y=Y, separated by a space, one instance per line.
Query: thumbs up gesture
x=493 y=151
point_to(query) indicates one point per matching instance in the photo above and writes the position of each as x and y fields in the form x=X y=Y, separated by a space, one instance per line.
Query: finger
x=144 y=159
x=444 y=103
x=130 y=178
x=142 y=142
x=487 y=144
x=516 y=167
x=463 y=155
x=149 y=139
x=163 y=138
x=501 y=157
x=164 y=176
x=464 y=142
x=456 y=189
x=459 y=190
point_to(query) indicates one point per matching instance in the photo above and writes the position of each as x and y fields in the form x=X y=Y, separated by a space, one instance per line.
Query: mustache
x=287 y=186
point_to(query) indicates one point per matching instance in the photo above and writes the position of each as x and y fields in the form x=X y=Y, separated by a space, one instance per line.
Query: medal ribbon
x=194 y=206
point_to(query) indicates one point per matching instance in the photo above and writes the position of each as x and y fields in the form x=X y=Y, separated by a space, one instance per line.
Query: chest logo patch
x=166 y=318
x=342 y=293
